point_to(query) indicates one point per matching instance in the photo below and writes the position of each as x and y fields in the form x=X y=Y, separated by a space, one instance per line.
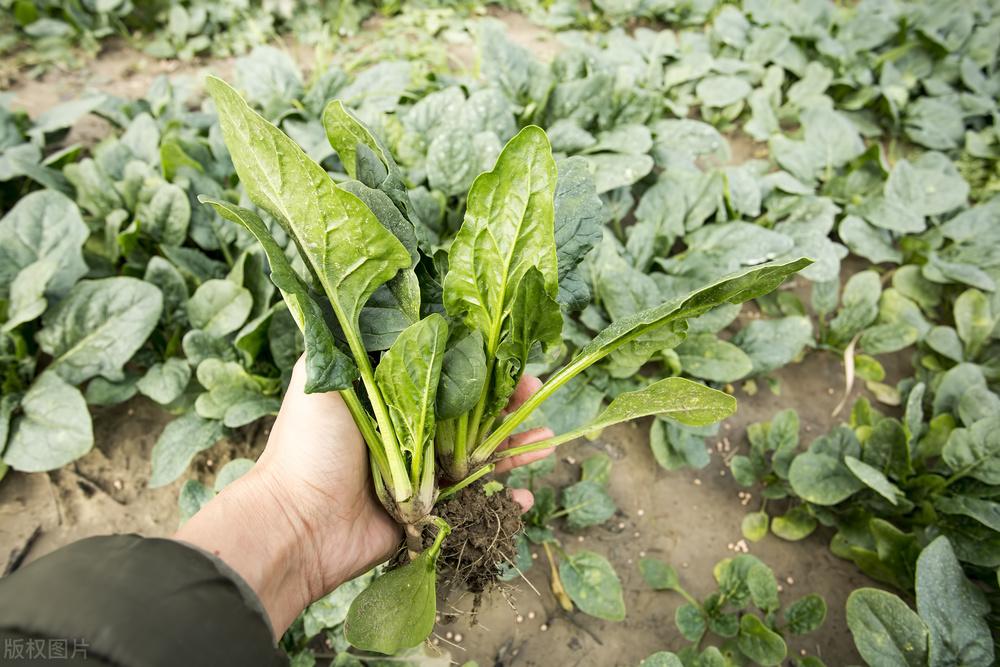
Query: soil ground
x=688 y=518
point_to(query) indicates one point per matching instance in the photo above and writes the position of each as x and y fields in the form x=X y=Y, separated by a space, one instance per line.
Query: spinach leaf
x=52 y=429
x=99 y=326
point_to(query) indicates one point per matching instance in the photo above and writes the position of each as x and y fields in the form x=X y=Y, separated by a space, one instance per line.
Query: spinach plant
x=949 y=627
x=745 y=584
x=434 y=397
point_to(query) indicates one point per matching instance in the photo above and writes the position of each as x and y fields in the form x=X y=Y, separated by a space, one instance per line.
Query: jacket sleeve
x=129 y=601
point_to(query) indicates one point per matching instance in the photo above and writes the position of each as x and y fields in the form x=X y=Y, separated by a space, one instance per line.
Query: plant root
x=483 y=529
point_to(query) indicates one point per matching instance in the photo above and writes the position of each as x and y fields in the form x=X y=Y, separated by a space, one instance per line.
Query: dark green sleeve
x=131 y=601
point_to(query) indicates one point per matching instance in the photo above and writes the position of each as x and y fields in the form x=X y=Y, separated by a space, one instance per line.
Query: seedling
x=429 y=406
x=727 y=619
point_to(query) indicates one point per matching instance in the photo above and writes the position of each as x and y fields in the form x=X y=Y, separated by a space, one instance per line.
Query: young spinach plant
x=744 y=637
x=360 y=242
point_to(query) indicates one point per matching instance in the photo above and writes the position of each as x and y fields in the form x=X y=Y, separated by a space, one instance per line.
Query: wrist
x=256 y=529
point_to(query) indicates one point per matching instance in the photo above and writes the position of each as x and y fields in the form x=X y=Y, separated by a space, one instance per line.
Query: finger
x=503 y=465
x=527 y=386
x=523 y=497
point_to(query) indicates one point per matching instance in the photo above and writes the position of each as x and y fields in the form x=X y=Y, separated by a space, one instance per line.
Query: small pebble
x=570 y=460
x=802 y=651
x=727 y=426
x=209 y=463
x=641 y=512
x=684 y=565
x=579 y=538
x=543 y=627
x=118 y=484
x=131 y=412
x=642 y=554
x=436 y=642
x=722 y=473
x=621 y=525
x=697 y=482
x=830 y=391
x=534 y=556
x=635 y=534
x=448 y=635
x=780 y=588
x=437 y=618
x=790 y=581
x=519 y=619
x=729 y=546
x=628 y=562
x=458 y=637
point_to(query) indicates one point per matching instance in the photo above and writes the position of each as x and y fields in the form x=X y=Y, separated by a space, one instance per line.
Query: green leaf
x=344 y=245
x=327 y=368
x=397 y=610
x=759 y=643
x=887 y=338
x=984 y=511
x=463 y=374
x=860 y=305
x=706 y=357
x=659 y=575
x=219 y=307
x=678 y=399
x=166 y=216
x=177 y=445
x=193 y=496
x=736 y=288
x=885 y=630
x=675 y=446
x=596 y=468
x=661 y=659
x=331 y=610
x=975 y=451
x=349 y=136
x=822 y=479
x=508 y=229
x=953 y=608
x=973 y=320
x=754 y=526
x=577 y=228
x=763 y=588
x=165 y=382
x=41 y=241
x=690 y=621
x=805 y=614
x=104 y=392
x=97 y=328
x=408 y=377
x=593 y=585
x=534 y=318
x=771 y=344
x=234 y=395
x=796 y=524
x=721 y=91
x=52 y=429
x=587 y=503
x=231 y=472
x=875 y=480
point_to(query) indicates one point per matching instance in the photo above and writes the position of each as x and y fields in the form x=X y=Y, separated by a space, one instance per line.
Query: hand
x=305 y=518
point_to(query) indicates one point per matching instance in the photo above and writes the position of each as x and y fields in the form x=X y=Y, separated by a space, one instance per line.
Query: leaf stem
x=554 y=441
x=368 y=432
x=443 y=531
x=449 y=491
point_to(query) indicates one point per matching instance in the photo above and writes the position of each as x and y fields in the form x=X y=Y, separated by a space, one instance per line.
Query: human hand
x=305 y=518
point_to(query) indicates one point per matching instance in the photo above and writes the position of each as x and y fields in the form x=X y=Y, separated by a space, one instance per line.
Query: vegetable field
x=751 y=249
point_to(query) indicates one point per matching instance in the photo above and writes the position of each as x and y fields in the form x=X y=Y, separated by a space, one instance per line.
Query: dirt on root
x=483 y=528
